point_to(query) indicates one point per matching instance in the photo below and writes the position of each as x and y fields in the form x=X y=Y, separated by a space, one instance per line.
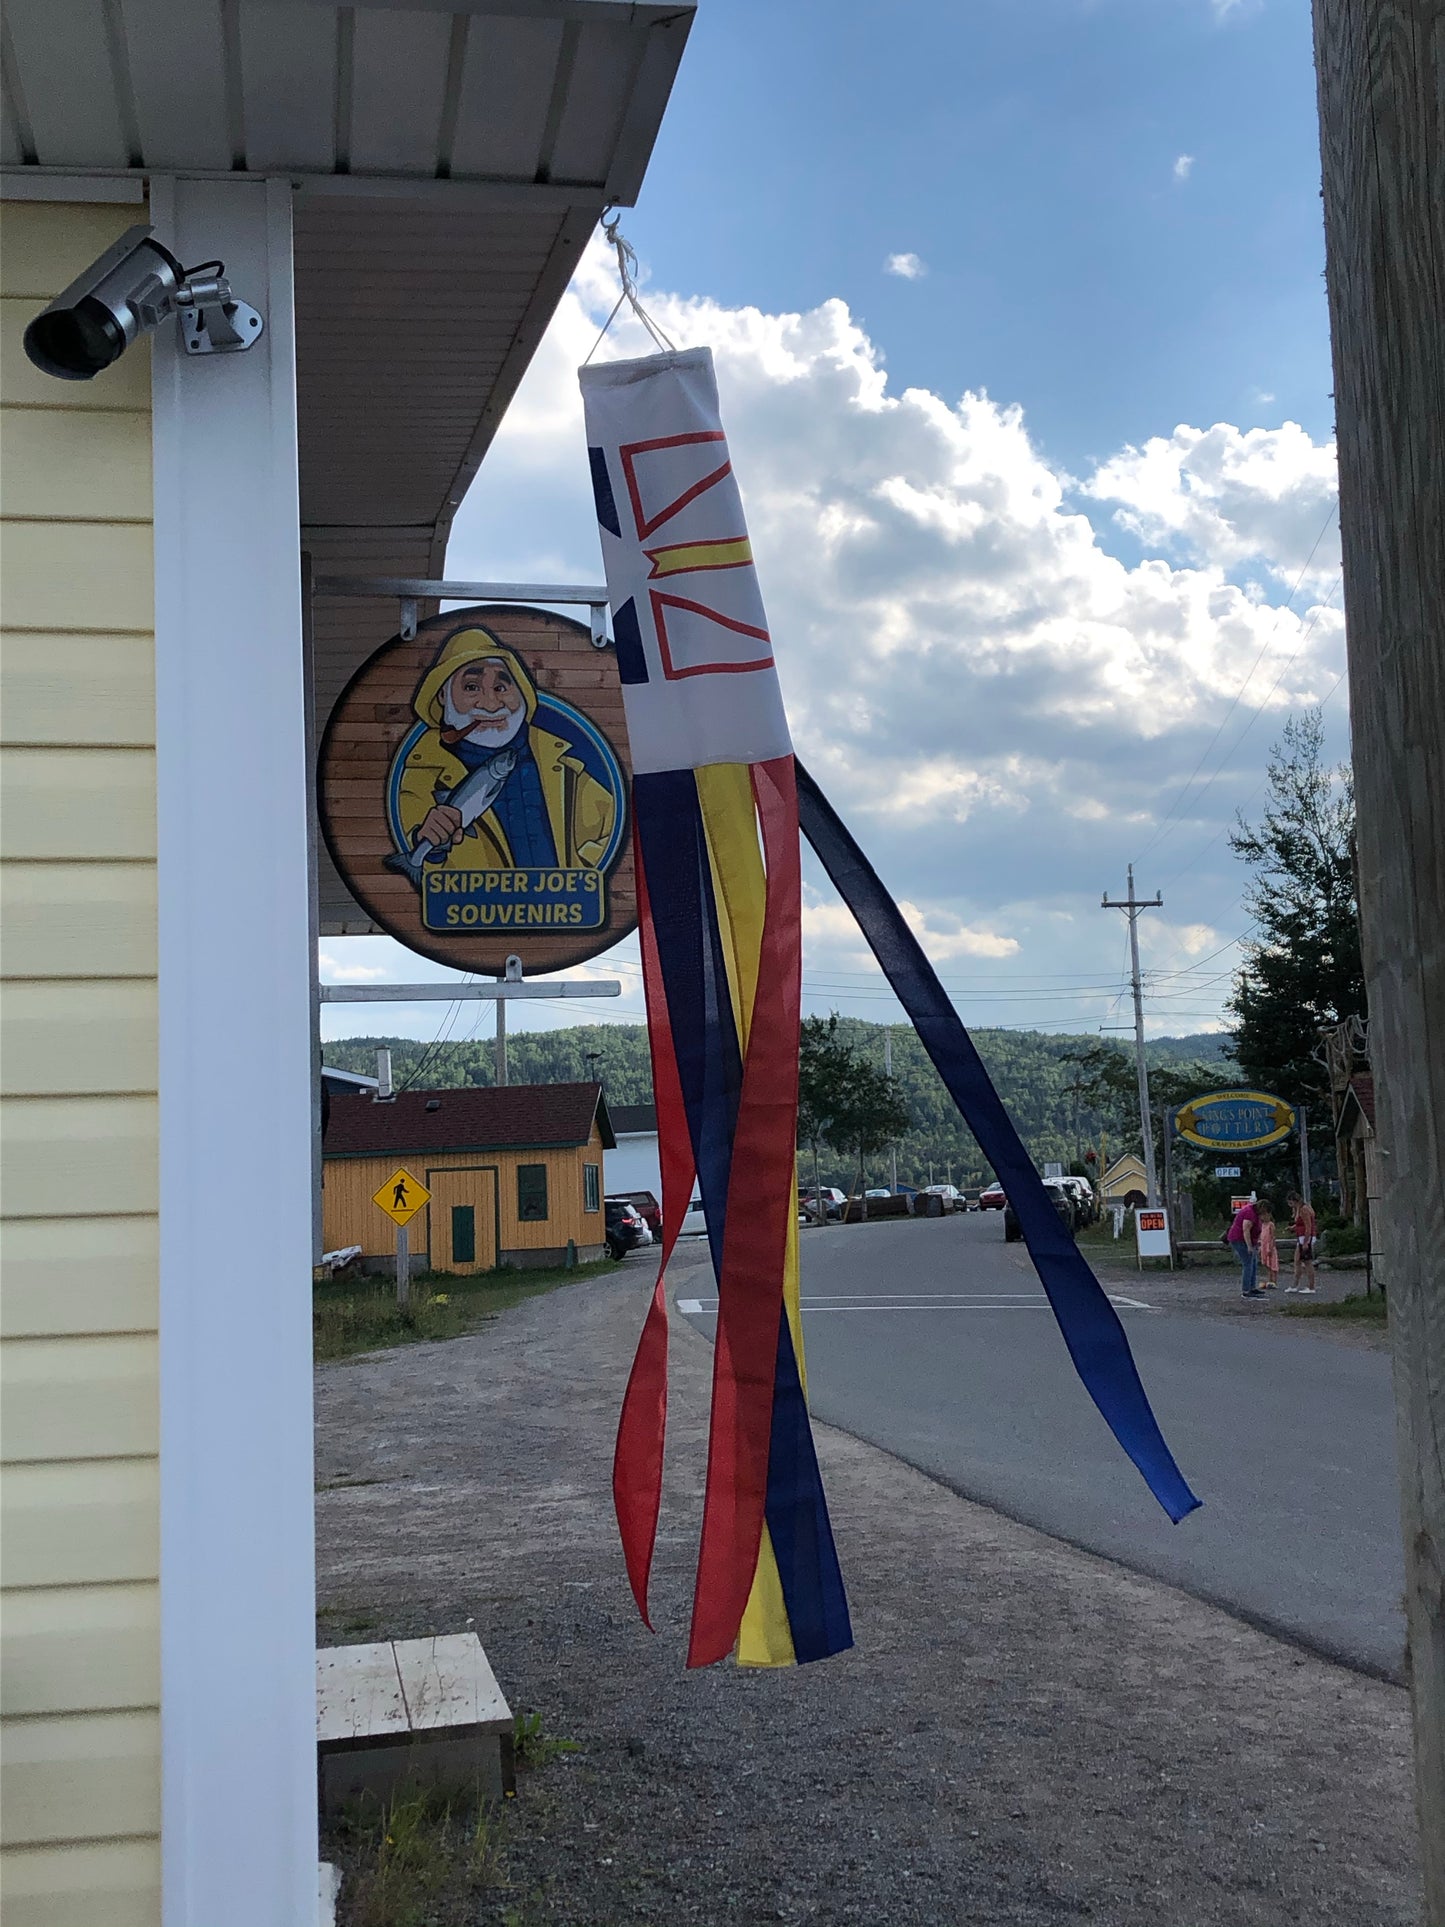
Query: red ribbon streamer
x=642 y=1426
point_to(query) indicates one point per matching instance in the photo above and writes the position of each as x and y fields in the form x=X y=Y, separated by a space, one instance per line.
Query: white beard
x=476 y=731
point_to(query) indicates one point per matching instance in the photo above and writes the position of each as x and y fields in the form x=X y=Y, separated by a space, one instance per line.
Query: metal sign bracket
x=410 y=590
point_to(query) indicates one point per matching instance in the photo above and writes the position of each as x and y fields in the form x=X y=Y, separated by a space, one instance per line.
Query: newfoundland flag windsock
x=715 y=823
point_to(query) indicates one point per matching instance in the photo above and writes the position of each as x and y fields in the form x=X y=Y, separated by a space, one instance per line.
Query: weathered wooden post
x=1381 y=75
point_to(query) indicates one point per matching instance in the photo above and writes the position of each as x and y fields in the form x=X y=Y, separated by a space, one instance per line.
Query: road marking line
x=707 y=1308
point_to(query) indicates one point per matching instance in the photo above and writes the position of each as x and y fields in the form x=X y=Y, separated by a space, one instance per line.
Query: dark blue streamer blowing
x=1089 y=1323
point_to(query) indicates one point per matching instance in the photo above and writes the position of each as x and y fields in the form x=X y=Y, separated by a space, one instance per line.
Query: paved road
x=931 y=1339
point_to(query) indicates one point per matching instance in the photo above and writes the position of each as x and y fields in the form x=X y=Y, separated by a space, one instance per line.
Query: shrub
x=1346 y=1241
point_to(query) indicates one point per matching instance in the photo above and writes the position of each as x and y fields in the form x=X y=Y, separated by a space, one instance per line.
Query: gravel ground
x=1024 y=1733
x=1211 y=1290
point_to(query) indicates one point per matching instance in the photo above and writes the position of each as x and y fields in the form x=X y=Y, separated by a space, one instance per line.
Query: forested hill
x=1033 y=1071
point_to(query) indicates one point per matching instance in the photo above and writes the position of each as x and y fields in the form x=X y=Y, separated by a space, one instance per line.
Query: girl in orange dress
x=1268 y=1248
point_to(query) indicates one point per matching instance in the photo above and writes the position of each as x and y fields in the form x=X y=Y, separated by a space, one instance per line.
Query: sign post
x=401 y=1197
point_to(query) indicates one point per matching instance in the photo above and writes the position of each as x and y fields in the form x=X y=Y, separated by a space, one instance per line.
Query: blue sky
x=1082 y=450
x=1026 y=151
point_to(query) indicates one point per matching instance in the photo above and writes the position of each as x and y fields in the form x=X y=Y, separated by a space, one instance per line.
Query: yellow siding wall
x=350 y=1218
x=81 y=1651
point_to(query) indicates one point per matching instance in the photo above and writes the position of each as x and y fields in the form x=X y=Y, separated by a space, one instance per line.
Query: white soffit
x=566 y=93
x=450 y=163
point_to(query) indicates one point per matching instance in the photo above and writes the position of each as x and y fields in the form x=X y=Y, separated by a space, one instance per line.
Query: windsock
x=715 y=827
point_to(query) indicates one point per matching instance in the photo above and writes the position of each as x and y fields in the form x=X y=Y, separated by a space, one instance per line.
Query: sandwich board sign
x=401 y=1197
x=1151 y=1233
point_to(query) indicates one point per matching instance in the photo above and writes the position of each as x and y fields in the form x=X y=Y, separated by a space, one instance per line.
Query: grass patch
x=1363 y=1308
x=532 y=1747
x=351 y=1315
x=415 y=1859
x=424 y=1858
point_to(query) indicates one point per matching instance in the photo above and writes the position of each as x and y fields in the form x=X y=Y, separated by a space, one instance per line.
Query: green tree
x=1303 y=970
x=869 y=1112
x=824 y=1064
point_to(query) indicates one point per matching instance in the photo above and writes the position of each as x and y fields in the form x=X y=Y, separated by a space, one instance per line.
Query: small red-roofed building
x=515 y=1174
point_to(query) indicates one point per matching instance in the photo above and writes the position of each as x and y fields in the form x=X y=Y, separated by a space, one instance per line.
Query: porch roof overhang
x=450 y=162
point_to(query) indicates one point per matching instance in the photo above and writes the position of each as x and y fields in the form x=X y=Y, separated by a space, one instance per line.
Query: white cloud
x=946 y=938
x=336 y=970
x=1183 y=167
x=1001 y=709
x=907 y=266
x=1231 y=497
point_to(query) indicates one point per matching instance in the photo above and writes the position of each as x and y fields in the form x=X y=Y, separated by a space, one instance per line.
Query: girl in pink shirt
x=1268 y=1248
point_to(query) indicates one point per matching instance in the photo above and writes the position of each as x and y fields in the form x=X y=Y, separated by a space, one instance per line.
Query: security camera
x=134 y=286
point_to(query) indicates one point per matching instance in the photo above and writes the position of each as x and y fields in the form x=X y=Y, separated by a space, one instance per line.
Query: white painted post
x=238 y=1670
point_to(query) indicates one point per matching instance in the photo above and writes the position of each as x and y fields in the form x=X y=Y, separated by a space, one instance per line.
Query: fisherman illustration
x=485 y=786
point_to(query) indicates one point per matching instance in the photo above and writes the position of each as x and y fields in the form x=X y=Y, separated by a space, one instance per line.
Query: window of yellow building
x=531 y=1192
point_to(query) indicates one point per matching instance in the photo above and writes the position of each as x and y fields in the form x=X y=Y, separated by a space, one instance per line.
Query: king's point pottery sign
x=473 y=791
x=1235 y=1120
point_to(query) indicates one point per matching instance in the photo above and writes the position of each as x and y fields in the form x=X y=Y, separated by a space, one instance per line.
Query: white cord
x=626 y=265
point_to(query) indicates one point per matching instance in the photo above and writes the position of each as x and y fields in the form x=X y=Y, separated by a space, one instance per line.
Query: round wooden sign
x=473 y=791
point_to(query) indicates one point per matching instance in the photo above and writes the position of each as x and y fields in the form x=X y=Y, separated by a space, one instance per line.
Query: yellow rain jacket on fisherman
x=579 y=809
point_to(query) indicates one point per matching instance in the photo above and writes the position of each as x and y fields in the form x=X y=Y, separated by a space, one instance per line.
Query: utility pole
x=1132 y=905
x=1382 y=144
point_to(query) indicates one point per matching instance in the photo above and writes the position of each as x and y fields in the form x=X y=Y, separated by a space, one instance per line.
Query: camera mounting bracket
x=220 y=327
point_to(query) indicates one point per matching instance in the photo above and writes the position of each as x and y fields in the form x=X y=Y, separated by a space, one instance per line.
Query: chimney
x=384 y=1092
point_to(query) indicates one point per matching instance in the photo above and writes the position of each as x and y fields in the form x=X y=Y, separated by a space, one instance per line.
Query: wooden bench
x=410 y=1713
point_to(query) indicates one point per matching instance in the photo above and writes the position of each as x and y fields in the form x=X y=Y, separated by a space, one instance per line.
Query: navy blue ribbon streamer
x=1089 y=1323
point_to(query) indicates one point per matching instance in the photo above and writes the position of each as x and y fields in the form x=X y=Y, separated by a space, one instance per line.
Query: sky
x=1019 y=322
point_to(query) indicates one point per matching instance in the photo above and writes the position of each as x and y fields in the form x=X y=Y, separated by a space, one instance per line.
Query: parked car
x=694 y=1225
x=626 y=1229
x=992 y=1198
x=1085 y=1197
x=1061 y=1200
x=645 y=1205
x=833 y=1200
x=880 y=1191
x=953 y=1199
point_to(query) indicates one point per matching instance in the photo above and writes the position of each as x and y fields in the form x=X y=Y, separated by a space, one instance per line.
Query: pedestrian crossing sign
x=402 y=1196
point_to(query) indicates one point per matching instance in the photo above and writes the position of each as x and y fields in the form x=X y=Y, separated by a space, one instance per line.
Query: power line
x=1260 y=785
